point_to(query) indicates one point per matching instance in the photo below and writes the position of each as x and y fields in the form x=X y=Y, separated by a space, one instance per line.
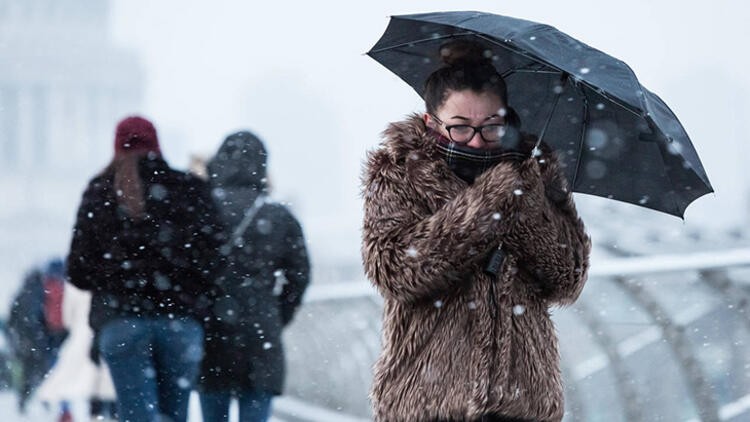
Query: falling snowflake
x=438 y=303
x=264 y=226
x=412 y=252
x=519 y=310
x=183 y=383
x=518 y=192
x=496 y=216
x=161 y=282
x=267 y=345
x=596 y=169
x=596 y=138
x=158 y=192
x=674 y=148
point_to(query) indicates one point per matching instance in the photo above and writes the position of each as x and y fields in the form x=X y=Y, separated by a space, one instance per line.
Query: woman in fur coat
x=470 y=235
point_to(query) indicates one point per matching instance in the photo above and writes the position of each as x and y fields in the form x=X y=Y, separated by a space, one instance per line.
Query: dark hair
x=128 y=184
x=467 y=66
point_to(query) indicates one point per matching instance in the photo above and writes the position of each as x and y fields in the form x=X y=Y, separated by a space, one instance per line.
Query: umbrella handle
x=563 y=80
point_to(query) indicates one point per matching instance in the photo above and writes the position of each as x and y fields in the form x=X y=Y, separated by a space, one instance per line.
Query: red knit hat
x=136 y=134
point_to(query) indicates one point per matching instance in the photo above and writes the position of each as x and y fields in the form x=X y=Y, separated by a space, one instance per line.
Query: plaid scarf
x=469 y=163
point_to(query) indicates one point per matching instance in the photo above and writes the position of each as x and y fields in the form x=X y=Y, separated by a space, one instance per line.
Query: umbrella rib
x=671 y=183
x=516 y=50
x=611 y=98
x=585 y=121
x=534 y=68
x=522 y=53
x=529 y=56
x=511 y=71
x=410 y=43
x=549 y=116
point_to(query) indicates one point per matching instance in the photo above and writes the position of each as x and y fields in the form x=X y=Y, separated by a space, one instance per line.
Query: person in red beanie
x=144 y=243
x=136 y=134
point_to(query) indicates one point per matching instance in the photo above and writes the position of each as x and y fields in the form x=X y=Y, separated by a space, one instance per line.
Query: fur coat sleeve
x=430 y=251
x=548 y=237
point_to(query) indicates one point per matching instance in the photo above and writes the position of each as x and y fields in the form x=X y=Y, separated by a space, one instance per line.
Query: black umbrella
x=615 y=138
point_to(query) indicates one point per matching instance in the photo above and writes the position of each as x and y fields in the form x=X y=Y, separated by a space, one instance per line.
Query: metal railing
x=710 y=266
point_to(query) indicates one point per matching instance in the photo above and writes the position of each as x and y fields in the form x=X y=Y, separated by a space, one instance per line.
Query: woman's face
x=467 y=107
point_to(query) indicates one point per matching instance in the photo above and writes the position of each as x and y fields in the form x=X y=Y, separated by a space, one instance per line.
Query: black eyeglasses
x=462 y=134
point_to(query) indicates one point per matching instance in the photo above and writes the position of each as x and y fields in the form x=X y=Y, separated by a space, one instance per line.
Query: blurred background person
x=35 y=329
x=197 y=166
x=76 y=378
x=267 y=271
x=144 y=244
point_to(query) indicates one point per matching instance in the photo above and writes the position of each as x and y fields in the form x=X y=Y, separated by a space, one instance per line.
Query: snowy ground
x=38 y=413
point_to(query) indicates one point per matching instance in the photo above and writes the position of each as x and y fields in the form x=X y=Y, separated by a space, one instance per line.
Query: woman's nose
x=476 y=141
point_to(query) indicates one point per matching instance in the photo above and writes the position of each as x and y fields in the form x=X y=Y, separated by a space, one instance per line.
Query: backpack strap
x=250 y=214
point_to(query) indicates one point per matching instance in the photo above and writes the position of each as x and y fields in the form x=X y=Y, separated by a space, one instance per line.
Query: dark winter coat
x=266 y=274
x=28 y=332
x=159 y=265
x=457 y=343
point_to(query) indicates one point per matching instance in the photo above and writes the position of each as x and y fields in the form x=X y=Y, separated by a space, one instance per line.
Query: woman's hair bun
x=462 y=52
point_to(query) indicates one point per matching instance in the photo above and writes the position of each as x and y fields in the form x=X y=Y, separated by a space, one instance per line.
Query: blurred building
x=63 y=86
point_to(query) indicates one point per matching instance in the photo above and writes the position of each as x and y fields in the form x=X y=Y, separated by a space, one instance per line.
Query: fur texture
x=457 y=343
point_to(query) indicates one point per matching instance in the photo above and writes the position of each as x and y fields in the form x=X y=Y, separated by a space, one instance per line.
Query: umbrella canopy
x=615 y=138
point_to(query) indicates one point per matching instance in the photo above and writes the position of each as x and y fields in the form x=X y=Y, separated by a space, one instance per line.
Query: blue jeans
x=255 y=406
x=154 y=362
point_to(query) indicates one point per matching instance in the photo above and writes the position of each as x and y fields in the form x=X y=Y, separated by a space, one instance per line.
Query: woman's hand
x=547 y=236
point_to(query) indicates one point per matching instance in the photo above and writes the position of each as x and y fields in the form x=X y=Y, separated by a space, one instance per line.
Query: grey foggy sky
x=295 y=73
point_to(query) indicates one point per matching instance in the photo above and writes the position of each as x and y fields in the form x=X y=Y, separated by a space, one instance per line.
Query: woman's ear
x=428 y=120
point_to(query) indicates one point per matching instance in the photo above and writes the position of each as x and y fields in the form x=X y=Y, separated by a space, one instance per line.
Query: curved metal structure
x=625 y=389
x=609 y=341
x=674 y=334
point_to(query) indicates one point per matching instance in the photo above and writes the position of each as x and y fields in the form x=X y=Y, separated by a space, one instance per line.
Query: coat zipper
x=499 y=257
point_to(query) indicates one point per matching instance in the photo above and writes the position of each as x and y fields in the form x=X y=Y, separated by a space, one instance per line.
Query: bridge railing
x=334 y=340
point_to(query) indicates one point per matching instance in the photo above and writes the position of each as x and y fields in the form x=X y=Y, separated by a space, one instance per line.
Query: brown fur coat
x=457 y=343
